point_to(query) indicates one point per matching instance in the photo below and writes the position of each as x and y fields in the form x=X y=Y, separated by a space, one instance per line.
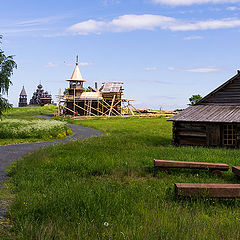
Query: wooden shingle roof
x=221 y=105
x=209 y=113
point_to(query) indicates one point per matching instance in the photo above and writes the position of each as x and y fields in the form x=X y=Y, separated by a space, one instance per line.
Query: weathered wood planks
x=207 y=190
x=184 y=164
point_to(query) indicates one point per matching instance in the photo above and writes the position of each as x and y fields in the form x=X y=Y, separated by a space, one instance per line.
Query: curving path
x=10 y=153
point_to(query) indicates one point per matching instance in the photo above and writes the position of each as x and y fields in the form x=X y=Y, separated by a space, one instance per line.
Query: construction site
x=106 y=101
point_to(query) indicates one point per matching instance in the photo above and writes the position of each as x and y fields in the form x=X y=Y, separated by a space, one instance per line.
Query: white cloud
x=207 y=25
x=196 y=70
x=232 y=8
x=191 y=2
x=51 y=65
x=202 y=70
x=110 y=2
x=90 y=26
x=84 y=64
x=149 y=22
x=150 y=69
x=38 y=21
x=193 y=37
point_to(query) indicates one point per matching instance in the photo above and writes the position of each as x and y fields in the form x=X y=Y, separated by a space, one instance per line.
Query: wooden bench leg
x=216 y=172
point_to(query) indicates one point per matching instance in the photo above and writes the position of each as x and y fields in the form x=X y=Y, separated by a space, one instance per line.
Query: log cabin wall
x=206 y=134
x=187 y=133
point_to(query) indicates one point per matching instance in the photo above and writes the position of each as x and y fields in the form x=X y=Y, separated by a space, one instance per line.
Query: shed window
x=229 y=135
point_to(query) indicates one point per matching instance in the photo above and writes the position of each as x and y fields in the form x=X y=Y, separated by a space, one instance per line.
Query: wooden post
x=74 y=107
x=59 y=101
x=111 y=106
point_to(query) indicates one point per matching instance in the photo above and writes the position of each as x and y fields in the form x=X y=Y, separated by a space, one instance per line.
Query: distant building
x=212 y=121
x=22 y=98
x=105 y=101
x=40 y=98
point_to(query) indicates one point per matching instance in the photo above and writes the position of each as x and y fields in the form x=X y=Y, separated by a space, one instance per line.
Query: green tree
x=194 y=99
x=7 y=65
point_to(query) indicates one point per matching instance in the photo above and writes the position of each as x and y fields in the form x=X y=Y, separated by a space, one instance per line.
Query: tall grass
x=107 y=188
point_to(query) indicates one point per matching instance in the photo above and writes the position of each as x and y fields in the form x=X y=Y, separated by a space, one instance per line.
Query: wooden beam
x=96 y=109
x=113 y=108
x=70 y=110
x=184 y=164
x=207 y=190
x=111 y=105
x=84 y=109
x=74 y=110
x=59 y=101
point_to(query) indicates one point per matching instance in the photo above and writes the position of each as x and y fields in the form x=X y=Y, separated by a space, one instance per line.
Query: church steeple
x=76 y=76
x=23 y=98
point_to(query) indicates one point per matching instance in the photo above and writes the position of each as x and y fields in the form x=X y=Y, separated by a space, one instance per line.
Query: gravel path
x=10 y=153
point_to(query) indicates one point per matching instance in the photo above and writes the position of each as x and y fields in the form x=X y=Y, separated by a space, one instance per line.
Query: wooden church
x=213 y=121
x=105 y=101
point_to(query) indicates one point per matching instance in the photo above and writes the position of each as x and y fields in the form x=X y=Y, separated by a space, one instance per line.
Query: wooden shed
x=213 y=121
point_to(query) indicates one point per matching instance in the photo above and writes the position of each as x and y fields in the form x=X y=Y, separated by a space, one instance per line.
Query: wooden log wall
x=189 y=134
x=201 y=134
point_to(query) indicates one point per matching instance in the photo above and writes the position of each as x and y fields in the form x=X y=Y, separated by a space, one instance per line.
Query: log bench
x=214 y=168
x=207 y=190
x=236 y=171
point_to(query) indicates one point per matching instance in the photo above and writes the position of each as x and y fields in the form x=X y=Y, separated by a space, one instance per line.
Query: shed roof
x=209 y=113
x=112 y=87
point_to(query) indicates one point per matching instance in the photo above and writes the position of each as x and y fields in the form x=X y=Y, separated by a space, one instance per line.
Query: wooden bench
x=236 y=170
x=207 y=190
x=215 y=168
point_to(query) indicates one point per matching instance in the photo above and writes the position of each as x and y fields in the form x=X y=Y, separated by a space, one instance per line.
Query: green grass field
x=20 y=125
x=107 y=188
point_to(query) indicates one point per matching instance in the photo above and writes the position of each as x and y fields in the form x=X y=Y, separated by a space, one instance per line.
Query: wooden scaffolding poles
x=90 y=107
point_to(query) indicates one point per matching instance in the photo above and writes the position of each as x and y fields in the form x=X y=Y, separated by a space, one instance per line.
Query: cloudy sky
x=163 y=51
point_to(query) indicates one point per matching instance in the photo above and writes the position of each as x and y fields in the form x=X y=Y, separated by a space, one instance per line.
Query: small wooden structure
x=22 y=98
x=167 y=164
x=213 y=121
x=207 y=190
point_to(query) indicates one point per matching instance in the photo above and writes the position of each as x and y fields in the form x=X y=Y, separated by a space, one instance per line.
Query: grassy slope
x=26 y=113
x=107 y=188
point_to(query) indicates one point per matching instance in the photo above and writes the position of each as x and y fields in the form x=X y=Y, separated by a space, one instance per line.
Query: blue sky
x=162 y=50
